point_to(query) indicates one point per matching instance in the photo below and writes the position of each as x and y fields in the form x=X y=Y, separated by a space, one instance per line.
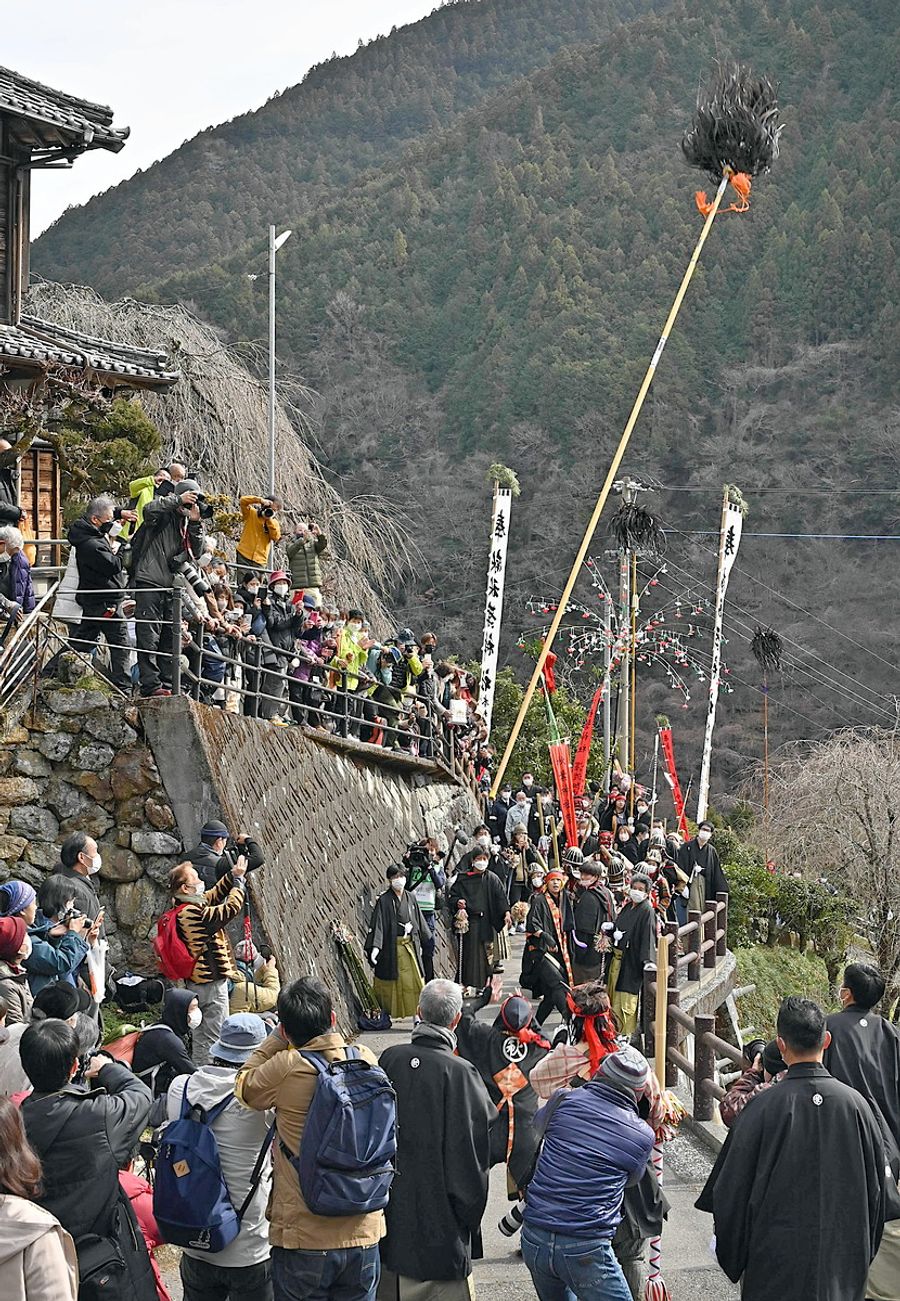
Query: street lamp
x=275 y=243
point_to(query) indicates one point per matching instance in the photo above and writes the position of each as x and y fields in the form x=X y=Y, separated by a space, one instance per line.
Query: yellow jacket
x=258 y=532
x=258 y=995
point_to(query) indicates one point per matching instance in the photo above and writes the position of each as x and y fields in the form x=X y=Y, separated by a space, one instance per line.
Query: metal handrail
x=19 y=655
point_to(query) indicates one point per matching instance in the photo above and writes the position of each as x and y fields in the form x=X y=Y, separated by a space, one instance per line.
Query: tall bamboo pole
x=633 y=603
x=607 y=656
x=581 y=554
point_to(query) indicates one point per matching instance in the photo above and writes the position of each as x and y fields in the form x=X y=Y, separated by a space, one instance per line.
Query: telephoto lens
x=512 y=1220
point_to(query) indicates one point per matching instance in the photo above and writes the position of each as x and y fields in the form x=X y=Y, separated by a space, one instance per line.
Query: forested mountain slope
x=496 y=293
x=346 y=116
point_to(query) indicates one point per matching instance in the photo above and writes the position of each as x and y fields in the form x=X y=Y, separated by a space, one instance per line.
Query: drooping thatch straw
x=735 y=125
x=767 y=648
x=216 y=420
x=635 y=529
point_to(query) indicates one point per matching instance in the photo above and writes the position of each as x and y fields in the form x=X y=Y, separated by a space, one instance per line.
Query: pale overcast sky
x=171 y=68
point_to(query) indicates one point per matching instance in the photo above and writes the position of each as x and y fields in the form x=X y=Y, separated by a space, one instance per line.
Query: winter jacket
x=352 y=657
x=282 y=626
x=12 y=1073
x=256 y=992
x=82 y=1138
x=37 y=1256
x=201 y=924
x=20 y=587
x=595 y=1143
x=277 y=1076
x=15 y=989
x=160 y=1053
x=240 y=1134
x=257 y=533
x=54 y=959
x=303 y=560
x=100 y=569
x=140 y=492
x=167 y=536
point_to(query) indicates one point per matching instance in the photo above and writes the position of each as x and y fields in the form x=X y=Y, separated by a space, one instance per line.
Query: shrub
x=776 y=973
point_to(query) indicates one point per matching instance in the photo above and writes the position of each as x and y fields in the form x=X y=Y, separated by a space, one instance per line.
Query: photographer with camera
x=217 y=853
x=304 y=553
x=283 y=626
x=101 y=583
x=427 y=882
x=163 y=550
x=261 y=529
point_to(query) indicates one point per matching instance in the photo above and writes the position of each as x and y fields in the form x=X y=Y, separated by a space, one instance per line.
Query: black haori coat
x=798 y=1191
x=865 y=1053
x=543 y=961
x=486 y=906
x=439 y=1193
x=505 y=1065
x=386 y=926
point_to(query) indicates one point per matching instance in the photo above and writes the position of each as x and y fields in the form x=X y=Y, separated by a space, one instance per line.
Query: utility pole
x=274 y=246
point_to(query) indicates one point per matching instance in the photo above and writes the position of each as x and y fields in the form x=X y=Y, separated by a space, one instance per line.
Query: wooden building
x=44 y=129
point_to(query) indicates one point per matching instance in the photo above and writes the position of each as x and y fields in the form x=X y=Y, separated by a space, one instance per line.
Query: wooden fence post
x=673 y=999
x=662 y=1006
x=704 y=1066
x=696 y=940
x=722 y=920
x=709 y=937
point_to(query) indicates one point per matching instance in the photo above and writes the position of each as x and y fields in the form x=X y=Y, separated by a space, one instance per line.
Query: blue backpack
x=346 y=1157
x=191 y=1203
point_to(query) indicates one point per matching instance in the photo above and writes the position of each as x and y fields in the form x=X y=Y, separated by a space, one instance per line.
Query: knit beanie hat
x=12 y=937
x=15 y=897
x=625 y=1069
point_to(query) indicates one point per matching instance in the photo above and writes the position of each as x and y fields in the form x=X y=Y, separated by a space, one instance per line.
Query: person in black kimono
x=505 y=1053
x=592 y=907
x=864 y=1050
x=798 y=1191
x=546 y=964
x=439 y=1193
x=397 y=932
x=699 y=861
x=487 y=913
x=634 y=945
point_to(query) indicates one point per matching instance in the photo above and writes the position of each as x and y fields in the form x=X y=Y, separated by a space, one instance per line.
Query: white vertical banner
x=729 y=541
x=493 y=601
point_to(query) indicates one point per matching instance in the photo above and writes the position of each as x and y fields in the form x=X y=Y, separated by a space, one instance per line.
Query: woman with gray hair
x=17 y=587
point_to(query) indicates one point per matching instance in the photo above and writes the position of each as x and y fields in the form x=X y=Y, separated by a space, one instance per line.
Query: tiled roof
x=73 y=118
x=34 y=343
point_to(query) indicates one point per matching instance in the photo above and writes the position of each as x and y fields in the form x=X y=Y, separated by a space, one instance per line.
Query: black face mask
x=104 y=528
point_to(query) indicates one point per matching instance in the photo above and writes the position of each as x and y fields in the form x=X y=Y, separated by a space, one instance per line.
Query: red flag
x=665 y=740
x=561 y=760
x=583 y=753
x=549 y=675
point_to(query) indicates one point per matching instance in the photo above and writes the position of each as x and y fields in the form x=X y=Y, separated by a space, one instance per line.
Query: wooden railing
x=704 y=942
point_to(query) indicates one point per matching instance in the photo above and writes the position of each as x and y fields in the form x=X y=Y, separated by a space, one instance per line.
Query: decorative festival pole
x=767 y=648
x=733 y=512
x=607 y=660
x=733 y=137
x=671 y=772
x=632 y=761
x=653 y=795
x=506 y=486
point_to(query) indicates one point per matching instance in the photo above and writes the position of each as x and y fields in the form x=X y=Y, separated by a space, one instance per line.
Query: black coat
x=384 y=930
x=212 y=867
x=591 y=907
x=798 y=1192
x=637 y=924
x=162 y=1047
x=99 y=567
x=283 y=625
x=543 y=963
x=486 y=905
x=439 y=1194
x=705 y=857
x=82 y=1140
x=865 y=1053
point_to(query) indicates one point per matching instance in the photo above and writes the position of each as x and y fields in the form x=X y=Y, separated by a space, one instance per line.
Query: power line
x=806 y=492
x=834 y=537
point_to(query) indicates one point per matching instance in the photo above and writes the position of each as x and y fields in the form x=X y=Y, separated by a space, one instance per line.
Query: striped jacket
x=202 y=927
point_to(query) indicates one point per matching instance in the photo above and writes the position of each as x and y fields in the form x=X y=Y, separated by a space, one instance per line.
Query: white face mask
x=636 y=896
x=25 y=951
x=483 y=842
x=481 y=865
x=575 y=874
x=194 y=1017
x=280 y=589
x=537 y=882
x=96 y=864
x=703 y=836
x=398 y=883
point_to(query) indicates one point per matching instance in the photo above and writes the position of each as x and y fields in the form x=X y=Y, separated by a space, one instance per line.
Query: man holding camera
x=213 y=857
x=101 y=580
x=260 y=530
x=303 y=554
x=161 y=549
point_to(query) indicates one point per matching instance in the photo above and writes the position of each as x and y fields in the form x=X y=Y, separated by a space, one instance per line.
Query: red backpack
x=172 y=954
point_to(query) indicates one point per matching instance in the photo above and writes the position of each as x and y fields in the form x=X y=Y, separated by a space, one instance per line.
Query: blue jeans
x=572 y=1269
x=342 y=1274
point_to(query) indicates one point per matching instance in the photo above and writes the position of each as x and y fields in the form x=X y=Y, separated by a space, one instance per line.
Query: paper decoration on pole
x=729 y=540
x=583 y=753
x=561 y=762
x=671 y=772
x=493 y=601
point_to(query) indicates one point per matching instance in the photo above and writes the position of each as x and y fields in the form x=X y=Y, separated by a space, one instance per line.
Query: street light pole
x=274 y=246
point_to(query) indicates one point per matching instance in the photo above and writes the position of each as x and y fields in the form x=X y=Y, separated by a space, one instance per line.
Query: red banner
x=665 y=740
x=561 y=760
x=583 y=753
x=549 y=675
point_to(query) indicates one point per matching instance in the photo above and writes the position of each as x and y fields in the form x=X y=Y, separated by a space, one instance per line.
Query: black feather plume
x=735 y=125
x=635 y=529
x=767 y=647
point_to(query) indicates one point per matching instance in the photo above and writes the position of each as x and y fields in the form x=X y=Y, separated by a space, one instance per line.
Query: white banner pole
x=493 y=601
